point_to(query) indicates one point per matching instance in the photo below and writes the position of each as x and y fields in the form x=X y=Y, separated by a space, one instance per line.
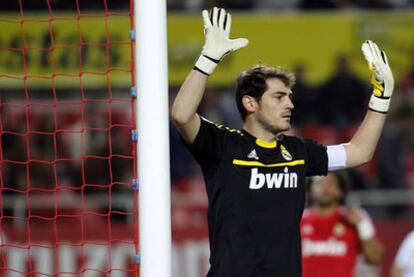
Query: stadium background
x=81 y=131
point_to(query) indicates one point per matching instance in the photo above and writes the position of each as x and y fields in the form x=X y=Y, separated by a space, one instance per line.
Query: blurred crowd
x=56 y=153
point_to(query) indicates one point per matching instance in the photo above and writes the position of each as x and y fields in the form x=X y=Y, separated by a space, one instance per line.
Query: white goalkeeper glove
x=381 y=77
x=217 y=25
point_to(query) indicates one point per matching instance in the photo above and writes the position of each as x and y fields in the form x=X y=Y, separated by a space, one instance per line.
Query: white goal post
x=154 y=212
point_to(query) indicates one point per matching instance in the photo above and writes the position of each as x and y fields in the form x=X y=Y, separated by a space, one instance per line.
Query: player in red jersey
x=332 y=234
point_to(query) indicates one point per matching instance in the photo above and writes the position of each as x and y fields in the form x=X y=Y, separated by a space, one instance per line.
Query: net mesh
x=67 y=207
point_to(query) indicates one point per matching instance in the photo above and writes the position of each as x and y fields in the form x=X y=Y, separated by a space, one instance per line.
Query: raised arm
x=183 y=111
x=360 y=149
x=217 y=25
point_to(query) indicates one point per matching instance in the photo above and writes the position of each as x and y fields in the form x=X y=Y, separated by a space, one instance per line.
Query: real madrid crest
x=338 y=230
x=285 y=154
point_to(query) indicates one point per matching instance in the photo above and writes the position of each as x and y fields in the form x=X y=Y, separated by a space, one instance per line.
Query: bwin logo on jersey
x=273 y=180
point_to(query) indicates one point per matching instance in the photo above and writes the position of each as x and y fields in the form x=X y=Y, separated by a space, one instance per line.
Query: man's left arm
x=361 y=148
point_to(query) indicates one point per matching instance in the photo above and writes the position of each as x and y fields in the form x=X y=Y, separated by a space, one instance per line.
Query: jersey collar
x=261 y=143
x=266 y=144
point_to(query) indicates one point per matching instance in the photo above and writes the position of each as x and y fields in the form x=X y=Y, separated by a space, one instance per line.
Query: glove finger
x=227 y=27
x=366 y=51
x=384 y=57
x=386 y=65
x=374 y=55
x=221 y=18
x=239 y=43
x=378 y=61
x=206 y=18
x=215 y=16
x=375 y=52
x=387 y=70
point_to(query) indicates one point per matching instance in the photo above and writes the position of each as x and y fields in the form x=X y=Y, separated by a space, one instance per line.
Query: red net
x=67 y=160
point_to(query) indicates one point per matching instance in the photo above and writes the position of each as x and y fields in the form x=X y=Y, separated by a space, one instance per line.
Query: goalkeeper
x=255 y=177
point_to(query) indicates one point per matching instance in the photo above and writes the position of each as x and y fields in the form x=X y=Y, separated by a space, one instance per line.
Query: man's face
x=325 y=191
x=275 y=107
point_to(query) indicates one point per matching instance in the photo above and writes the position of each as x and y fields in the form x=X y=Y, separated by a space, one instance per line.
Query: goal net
x=67 y=150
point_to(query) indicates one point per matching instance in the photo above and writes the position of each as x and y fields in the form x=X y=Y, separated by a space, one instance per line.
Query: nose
x=290 y=104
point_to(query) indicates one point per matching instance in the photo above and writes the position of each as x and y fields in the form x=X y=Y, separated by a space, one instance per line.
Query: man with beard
x=334 y=235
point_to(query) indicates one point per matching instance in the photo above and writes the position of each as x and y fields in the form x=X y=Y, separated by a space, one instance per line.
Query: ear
x=250 y=104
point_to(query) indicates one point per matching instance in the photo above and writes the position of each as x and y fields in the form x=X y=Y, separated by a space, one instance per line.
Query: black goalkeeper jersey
x=256 y=195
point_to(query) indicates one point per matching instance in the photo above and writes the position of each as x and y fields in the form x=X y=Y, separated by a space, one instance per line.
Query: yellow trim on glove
x=378 y=87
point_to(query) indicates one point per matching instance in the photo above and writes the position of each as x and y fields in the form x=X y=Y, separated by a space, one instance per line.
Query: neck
x=258 y=131
x=325 y=211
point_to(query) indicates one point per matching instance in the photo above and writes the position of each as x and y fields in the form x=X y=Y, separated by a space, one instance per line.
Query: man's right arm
x=185 y=105
x=217 y=27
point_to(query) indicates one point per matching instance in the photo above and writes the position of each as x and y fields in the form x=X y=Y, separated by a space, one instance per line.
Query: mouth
x=287 y=115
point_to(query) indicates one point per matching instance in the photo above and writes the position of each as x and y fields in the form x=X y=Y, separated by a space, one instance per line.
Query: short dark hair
x=252 y=82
